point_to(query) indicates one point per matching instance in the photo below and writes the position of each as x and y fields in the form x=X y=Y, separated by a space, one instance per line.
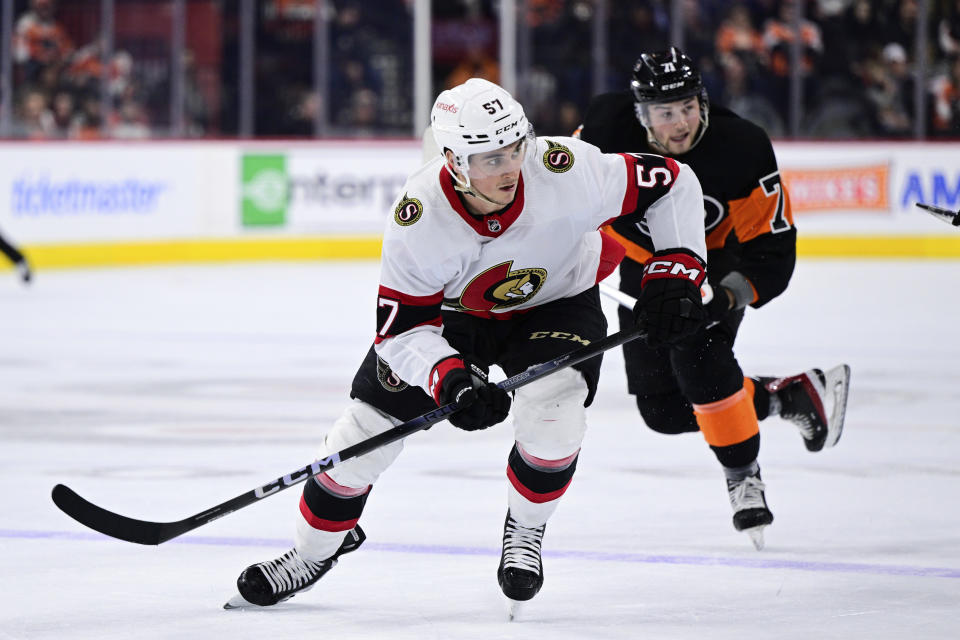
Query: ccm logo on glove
x=670 y=307
x=676 y=265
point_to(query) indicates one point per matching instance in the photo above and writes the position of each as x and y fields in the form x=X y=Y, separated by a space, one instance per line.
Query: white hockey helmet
x=475 y=117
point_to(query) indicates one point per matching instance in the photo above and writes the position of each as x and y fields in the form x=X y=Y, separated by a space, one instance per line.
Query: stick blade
x=948 y=216
x=107 y=522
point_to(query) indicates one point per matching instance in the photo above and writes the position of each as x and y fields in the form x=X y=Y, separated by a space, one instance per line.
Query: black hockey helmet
x=666 y=76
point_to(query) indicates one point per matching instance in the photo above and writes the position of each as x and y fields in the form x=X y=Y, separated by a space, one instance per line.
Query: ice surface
x=158 y=392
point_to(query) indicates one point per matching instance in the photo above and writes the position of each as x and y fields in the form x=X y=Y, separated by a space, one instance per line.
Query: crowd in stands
x=59 y=85
x=856 y=72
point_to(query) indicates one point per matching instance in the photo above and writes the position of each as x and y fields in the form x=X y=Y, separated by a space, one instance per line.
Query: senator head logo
x=501 y=287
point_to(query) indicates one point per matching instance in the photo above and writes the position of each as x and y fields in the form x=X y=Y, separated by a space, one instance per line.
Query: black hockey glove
x=484 y=404
x=719 y=306
x=669 y=307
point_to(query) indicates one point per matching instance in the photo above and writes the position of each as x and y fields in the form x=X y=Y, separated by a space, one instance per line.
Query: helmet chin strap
x=467 y=188
x=470 y=191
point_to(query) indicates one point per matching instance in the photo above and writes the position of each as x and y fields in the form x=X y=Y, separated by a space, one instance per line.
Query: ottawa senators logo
x=557 y=158
x=408 y=211
x=500 y=288
x=388 y=379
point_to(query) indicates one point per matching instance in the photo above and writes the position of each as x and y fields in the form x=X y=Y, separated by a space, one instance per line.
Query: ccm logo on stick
x=293 y=478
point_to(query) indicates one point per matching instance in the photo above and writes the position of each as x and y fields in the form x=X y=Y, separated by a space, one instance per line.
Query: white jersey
x=543 y=247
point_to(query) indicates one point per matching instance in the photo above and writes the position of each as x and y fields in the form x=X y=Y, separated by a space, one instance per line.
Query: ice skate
x=267 y=583
x=816 y=402
x=23 y=271
x=750 y=511
x=521 y=568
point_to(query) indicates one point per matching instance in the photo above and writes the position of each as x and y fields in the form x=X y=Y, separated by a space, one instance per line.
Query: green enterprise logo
x=264 y=189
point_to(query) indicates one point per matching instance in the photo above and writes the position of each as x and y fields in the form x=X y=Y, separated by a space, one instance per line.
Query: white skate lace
x=289 y=571
x=747 y=494
x=804 y=424
x=521 y=547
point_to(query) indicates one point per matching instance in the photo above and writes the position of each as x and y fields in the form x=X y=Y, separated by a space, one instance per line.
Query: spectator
x=885 y=92
x=740 y=97
x=948 y=30
x=131 y=121
x=737 y=35
x=476 y=64
x=35 y=120
x=778 y=37
x=63 y=113
x=945 y=90
x=90 y=119
x=39 y=41
x=196 y=111
x=902 y=27
x=363 y=112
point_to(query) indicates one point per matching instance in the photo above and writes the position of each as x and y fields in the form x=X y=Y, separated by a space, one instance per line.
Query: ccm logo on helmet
x=672 y=85
x=507 y=128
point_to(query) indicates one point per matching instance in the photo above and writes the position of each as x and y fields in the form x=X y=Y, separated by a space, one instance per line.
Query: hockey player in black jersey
x=697 y=385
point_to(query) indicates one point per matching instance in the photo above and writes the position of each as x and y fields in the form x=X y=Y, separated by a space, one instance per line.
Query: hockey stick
x=146 y=532
x=950 y=217
x=628 y=301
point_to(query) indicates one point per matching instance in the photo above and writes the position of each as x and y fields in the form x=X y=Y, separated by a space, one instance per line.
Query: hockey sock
x=728 y=421
x=328 y=510
x=536 y=485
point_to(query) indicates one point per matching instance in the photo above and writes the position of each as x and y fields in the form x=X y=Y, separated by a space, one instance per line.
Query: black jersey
x=748 y=219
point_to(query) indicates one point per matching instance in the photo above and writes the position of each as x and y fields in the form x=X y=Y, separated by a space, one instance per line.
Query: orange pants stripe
x=729 y=421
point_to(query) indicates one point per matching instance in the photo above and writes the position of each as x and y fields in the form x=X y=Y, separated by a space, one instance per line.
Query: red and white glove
x=482 y=404
x=669 y=307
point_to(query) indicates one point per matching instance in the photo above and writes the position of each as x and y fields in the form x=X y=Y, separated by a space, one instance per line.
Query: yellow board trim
x=53 y=256
x=933 y=247
x=104 y=254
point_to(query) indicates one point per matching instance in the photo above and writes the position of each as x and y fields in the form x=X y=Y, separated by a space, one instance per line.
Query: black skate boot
x=268 y=583
x=23 y=270
x=521 y=568
x=816 y=402
x=750 y=511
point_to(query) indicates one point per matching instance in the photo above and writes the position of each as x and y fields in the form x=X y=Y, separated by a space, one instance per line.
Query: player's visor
x=497 y=162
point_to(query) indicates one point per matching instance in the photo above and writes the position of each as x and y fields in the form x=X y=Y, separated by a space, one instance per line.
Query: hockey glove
x=669 y=307
x=483 y=404
x=719 y=306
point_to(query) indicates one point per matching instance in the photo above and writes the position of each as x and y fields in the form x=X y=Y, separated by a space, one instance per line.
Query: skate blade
x=838 y=385
x=239 y=602
x=756 y=536
x=514 y=607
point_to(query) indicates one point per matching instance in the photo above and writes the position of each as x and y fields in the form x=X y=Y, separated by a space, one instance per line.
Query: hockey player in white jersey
x=492 y=255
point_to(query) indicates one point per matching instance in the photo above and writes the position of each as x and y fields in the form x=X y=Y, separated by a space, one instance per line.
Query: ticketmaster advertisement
x=81 y=192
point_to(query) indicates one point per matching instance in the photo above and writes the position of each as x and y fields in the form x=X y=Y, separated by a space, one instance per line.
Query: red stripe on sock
x=533 y=496
x=324 y=525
